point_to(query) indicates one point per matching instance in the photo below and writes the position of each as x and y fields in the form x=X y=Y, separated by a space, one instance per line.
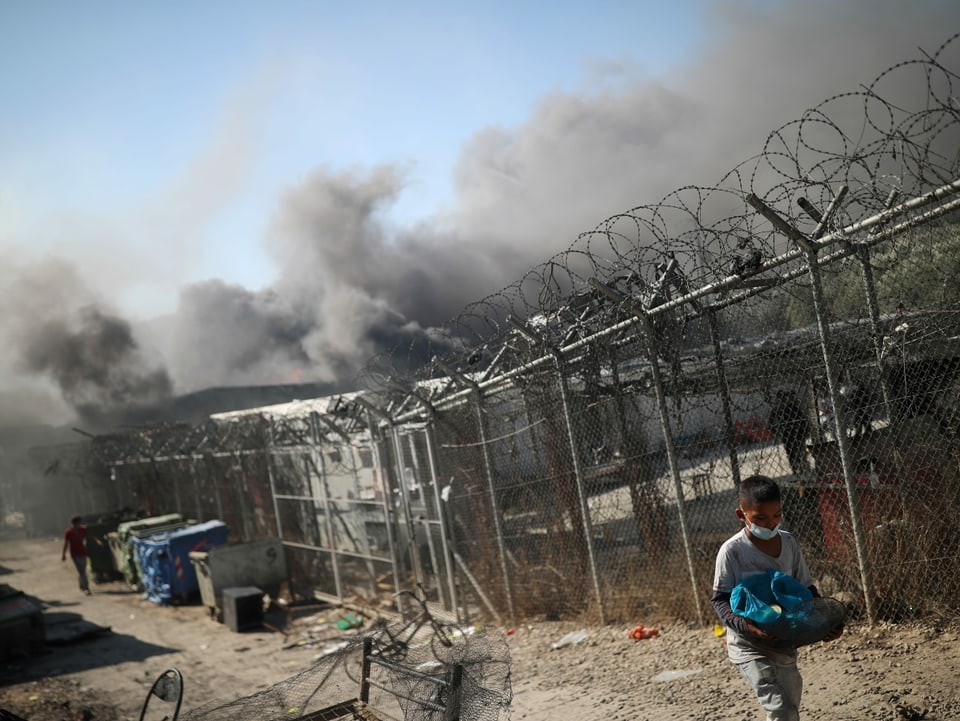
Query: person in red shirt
x=75 y=538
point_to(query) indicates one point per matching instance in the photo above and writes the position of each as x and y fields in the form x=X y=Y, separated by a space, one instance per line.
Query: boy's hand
x=834 y=634
x=757 y=631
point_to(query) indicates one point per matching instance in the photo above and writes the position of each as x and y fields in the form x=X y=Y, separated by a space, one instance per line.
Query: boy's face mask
x=764 y=511
x=764 y=534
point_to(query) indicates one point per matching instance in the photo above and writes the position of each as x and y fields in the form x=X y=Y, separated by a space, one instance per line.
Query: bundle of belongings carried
x=783 y=607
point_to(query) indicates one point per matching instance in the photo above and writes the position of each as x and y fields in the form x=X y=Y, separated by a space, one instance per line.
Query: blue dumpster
x=164 y=557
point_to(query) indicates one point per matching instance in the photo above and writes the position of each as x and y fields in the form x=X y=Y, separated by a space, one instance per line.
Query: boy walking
x=75 y=538
x=768 y=664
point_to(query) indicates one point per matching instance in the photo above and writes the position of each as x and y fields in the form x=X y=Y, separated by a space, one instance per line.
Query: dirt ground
x=885 y=672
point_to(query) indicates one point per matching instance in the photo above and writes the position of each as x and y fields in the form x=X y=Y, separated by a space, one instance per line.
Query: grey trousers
x=778 y=688
x=81 y=563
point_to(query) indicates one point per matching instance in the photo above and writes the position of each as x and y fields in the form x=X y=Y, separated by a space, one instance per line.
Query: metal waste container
x=261 y=563
x=166 y=571
x=243 y=608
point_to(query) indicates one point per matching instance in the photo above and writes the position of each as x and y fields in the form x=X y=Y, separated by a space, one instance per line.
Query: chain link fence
x=797 y=320
x=572 y=445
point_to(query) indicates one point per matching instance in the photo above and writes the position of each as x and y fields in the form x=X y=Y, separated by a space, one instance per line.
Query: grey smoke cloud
x=350 y=285
x=346 y=289
x=582 y=157
x=58 y=329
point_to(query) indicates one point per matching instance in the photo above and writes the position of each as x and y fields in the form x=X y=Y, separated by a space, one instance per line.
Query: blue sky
x=132 y=127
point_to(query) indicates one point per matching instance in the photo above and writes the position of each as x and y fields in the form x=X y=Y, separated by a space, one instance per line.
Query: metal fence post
x=809 y=247
x=492 y=486
x=196 y=489
x=422 y=521
x=578 y=476
x=386 y=496
x=216 y=490
x=862 y=255
x=321 y=486
x=843 y=442
x=575 y=460
x=246 y=512
x=652 y=354
x=268 y=458
x=441 y=520
x=412 y=548
x=870 y=288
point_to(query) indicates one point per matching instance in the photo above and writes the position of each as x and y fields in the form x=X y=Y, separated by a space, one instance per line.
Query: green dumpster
x=100 y=564
x=122 y=550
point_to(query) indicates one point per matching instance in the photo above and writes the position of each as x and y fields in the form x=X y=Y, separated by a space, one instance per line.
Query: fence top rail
x=940 y=195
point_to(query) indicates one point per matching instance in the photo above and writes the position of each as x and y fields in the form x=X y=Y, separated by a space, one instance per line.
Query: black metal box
x=243 y=607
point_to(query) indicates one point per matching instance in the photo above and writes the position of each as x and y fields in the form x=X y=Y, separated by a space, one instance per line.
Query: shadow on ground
x=75 y=644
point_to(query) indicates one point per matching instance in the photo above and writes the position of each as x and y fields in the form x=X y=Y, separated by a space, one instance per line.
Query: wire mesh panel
x=424 y=531
x=301 y=522
x=131 y=475
x=472 y=510
x=895 y=415
x=635 y=503
x=556 y=567
x=219 y=482
x=172 y=487
x=262 y=517
x=373 y=678
x=355 y=506
x=331 y=500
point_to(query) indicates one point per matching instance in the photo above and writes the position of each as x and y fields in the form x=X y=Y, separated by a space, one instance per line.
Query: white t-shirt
x=739 y=558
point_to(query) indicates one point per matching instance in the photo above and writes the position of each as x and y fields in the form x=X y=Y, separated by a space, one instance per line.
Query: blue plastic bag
x=789 y=591
x=754 y=597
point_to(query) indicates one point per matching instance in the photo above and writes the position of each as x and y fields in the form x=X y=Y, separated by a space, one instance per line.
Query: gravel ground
x=889 y=671
x=885 y=672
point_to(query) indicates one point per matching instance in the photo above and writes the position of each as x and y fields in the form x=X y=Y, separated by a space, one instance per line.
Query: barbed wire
x=899 y=133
